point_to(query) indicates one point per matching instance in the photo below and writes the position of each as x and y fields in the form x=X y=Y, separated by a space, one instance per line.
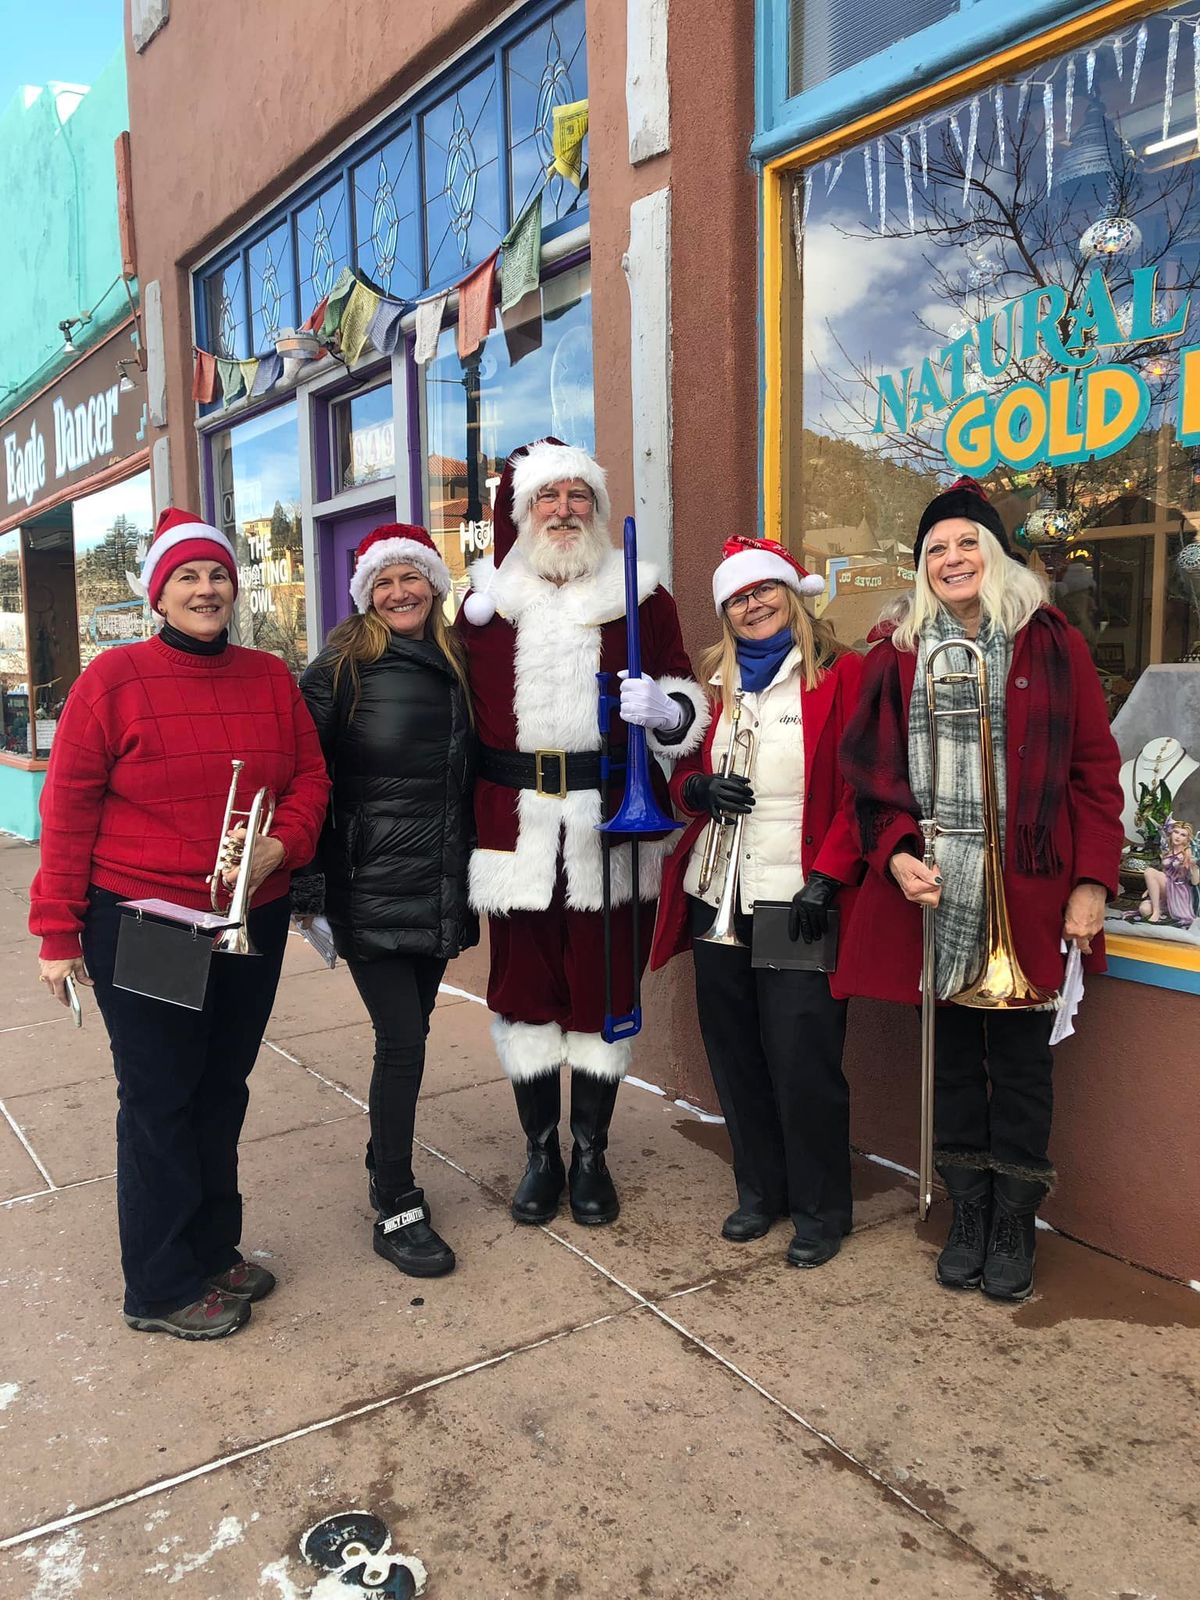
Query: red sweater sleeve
x=80 y=759
x=300 y=810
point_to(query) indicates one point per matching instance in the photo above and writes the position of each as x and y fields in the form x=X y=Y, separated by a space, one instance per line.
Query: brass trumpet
x=1001 y=985
x=739 y=752
x=231 y=852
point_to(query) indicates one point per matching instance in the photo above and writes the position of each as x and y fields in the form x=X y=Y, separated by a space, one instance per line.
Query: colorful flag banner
x=230 y=373
x=335 y=301
x=522 y=326
x=357 y=313
x=315 y=322
x=270 y=370
x=570 y=130
x=429 y=325
x=249 y=374
x=476 y=294
x=521 y=266
x=384 y=332
x=204 y=379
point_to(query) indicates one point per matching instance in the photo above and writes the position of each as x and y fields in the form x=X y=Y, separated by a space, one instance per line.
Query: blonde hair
x=361 y=639
x=813 y=637
x=1009 y=594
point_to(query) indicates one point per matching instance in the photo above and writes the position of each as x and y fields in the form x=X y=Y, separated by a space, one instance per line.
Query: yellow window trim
x=1156 y=953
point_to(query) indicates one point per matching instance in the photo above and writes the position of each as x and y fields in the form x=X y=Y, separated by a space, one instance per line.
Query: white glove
x=644 y=703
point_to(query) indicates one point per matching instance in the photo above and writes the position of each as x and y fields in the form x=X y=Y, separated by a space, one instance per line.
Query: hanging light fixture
x=1090 y=152
x=126 y=385
x=68 y=344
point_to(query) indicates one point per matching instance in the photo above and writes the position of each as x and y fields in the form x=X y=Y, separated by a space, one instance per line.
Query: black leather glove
x=720 y=797
x=809 y=916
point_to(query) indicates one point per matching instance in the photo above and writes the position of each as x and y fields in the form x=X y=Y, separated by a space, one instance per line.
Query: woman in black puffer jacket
x=388 y=695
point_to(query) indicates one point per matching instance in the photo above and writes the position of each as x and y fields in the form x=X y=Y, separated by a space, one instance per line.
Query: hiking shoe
x=245 y=1280
x=211 y=1317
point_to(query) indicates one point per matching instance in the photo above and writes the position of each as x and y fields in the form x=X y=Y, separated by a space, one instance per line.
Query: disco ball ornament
x=1111 y=236
x=1188 y=559
x=1051 y=527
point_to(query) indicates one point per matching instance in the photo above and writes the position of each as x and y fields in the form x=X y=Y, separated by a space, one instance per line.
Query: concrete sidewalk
x=641 y=1410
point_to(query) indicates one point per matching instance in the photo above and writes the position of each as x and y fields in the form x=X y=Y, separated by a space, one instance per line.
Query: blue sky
x=71 y=40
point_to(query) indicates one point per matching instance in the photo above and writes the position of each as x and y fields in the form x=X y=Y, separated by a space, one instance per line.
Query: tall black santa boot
x=593 y=1194
x=1017 y=1192
x=539 y=1104
x=968 y=1178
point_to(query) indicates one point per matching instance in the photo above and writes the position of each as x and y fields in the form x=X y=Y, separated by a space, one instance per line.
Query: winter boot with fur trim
x=960 y=1265
x=404 y=1237
x=539 y=1105
x=593 y=1195
x=1008 y=1270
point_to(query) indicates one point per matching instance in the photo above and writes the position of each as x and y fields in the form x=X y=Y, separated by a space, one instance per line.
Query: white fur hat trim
x=389 y=553
x=749 y=567
x=548 y=463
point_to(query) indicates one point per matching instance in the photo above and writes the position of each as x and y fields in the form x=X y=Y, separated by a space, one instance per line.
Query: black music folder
x=773 y=949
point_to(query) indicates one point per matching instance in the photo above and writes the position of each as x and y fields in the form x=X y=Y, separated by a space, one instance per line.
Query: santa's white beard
x=561 y=562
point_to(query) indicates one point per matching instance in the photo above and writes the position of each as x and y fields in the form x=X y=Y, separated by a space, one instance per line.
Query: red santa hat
x=389 y=545
x=181 y=537
x=747 y=562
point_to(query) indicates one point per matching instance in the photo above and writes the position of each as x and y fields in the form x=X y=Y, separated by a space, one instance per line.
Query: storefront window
x=258 y=505
x=14 y=669
x=531 y=379
x=1010 y=288
x=364 y=438
x=112 y=531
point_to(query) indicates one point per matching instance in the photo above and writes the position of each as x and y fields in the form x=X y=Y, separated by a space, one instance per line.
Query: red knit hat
x=387 y=546
x=181 y=537
x=747 y=562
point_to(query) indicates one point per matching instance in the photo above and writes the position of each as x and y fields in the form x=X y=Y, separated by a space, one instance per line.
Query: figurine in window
x=1173 y=890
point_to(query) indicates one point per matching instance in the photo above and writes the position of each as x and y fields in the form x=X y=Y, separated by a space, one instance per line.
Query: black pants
x=1010 y=1051
x=774 y=1043
x=399 y=993
x=182 y=1095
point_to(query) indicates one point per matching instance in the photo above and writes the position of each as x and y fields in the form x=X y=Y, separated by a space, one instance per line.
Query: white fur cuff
x=694 y=737
x=528 y=1049
x=587 y=1052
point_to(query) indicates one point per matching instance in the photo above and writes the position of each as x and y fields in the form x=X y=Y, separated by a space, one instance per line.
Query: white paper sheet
x=320 y=935
x=1070 y=997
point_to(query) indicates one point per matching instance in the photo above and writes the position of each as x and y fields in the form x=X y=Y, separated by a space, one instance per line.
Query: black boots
x=538 y=1106
x=1008 y=1270
x=403 y=1236
x=960 y=1265
x=593 y=1196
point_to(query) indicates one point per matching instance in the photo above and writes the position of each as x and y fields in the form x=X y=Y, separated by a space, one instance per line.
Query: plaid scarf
x=875 y=757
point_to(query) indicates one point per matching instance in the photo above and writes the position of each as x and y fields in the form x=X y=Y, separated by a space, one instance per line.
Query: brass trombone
x=739 y=752
x=1000 y=985
x=232 y=852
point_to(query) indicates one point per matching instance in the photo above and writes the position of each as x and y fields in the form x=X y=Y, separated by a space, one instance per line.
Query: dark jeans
x=399 y=993
x=774 y=1043
x=182 y=1097
x=1010 y=1050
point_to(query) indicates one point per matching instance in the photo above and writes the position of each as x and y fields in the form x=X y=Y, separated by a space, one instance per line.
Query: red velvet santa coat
x=533 y=682
x=828 y=843
x=881 y=956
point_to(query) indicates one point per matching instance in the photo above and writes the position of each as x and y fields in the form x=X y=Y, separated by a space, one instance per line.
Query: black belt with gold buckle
x=552 y=773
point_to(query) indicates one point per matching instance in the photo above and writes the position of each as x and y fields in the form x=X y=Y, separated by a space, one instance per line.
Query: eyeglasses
x=577 y=499
x=761 y=592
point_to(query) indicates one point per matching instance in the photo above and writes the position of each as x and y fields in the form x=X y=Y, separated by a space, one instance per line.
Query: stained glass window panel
x=323 y=245
x=225 y=300
x=385 y=204
x=463 y=216
x=547 y=68
x=272 y=288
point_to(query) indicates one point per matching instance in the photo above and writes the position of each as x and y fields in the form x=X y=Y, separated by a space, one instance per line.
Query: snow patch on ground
x=229 y=1532
x=58 y=1567
x=8 y=1393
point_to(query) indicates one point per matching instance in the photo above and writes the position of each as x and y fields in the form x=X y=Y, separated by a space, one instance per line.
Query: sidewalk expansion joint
x=29 y=1150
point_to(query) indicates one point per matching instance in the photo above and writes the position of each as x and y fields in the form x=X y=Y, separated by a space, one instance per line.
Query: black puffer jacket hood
x=398 y=836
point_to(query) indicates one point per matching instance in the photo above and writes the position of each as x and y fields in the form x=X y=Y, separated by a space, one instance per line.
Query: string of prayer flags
x=204 y=379
x=316 y=321
x=232 y=382
x=249 y=374
x=520 y=269
x=476 y=307
x=270 y=370
x=358 y=310
x=335 y=301
x=384 y=332
x=570 y=130
x=429 y=325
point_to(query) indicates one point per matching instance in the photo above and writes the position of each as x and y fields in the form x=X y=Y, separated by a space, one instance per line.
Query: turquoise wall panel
x=20 y=792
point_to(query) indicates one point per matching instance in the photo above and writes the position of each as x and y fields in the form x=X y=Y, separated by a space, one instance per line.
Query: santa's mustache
x=574 y=523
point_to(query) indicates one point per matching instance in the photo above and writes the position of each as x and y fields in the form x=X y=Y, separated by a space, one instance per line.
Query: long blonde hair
x=363 y=637
x=1008 y=595
x=813 y=636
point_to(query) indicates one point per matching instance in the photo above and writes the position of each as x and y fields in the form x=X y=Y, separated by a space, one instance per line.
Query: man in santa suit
x=545 y=613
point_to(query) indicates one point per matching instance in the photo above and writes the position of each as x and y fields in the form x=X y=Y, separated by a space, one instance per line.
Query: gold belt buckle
x=540 y=782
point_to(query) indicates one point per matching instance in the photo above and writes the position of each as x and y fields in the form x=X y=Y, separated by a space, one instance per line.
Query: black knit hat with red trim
x=965 y=498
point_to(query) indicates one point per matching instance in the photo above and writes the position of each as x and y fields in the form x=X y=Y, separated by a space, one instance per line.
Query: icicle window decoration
x=972 y=141
x=837 y=172
x=1068 y=100
x=906 y=163
x=1048 y=112
x=799 y=214
x=923 y=132
x=868 y=174
x=1139 y=55
x=1118 y=50
x=1169 y=88
x=1091 y=69
x=808 y=194
x=998 y=101
x=956 y=130
x=1022 y=99
x=882 y=159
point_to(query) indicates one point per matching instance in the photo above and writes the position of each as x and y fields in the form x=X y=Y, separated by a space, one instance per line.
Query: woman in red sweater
x=133 y=808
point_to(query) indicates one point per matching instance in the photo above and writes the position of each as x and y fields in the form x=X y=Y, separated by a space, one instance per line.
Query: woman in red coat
x=1060 y=804
x=773 y=1038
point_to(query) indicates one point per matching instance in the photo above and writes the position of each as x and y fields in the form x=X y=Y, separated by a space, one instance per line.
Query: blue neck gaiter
x=760 y=659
